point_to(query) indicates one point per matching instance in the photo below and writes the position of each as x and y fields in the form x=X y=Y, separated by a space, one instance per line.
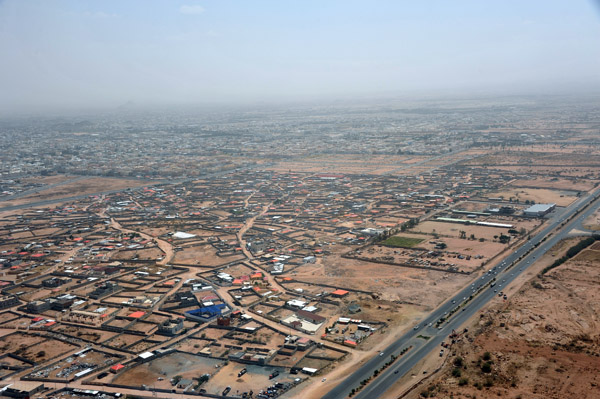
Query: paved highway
x=463 y=307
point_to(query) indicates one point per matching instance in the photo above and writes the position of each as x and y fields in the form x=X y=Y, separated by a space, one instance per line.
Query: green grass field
x=403 y=242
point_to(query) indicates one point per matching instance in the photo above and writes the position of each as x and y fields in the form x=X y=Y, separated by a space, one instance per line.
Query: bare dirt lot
x=454 y=230
x=255 y=379
x=593 y=221
x=177 y=363
x=393 y=283
x=556 y=183
x=205 y=255
x=351 y=164
x=538 y=195
x=81 y=187
x=464 y=255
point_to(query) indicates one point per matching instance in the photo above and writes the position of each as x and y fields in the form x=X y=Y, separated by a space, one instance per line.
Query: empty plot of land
x=556 y=183
x=454 y=230
x=46 y=350
x=255 y=379
x=537 y=195
x=81 y=187
x=205 y=255
x=177 y=363
x=348 y=163
x=402 y=241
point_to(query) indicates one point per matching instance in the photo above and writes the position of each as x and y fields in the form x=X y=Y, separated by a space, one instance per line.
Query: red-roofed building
x=339 y=293
x=136 y=315
x=256 y=276
x=116 y=368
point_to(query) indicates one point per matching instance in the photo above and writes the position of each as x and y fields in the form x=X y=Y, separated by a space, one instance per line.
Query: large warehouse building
x=538 y=210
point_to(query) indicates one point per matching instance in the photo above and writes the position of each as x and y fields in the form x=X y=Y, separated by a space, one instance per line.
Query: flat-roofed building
x=539 y=210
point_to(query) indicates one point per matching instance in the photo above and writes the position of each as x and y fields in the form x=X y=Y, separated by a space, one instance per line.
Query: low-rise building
x=539 y=210
x=8 y=301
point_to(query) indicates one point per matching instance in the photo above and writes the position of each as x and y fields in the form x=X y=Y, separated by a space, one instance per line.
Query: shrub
x=487 y=356
x=463 y=381
x=456 y=372
x=574 y=250
x=458 y=362
x=486 y=367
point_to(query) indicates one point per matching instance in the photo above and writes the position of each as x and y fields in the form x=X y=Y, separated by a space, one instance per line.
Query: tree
x=463 y=234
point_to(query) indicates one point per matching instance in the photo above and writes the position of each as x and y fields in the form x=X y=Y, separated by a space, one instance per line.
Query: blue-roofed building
x=207 y=313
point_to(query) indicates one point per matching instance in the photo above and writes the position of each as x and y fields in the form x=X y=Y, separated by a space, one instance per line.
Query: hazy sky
x=106 y=53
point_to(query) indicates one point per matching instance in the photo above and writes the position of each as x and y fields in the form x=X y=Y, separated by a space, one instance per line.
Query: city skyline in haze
x=92 y=54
